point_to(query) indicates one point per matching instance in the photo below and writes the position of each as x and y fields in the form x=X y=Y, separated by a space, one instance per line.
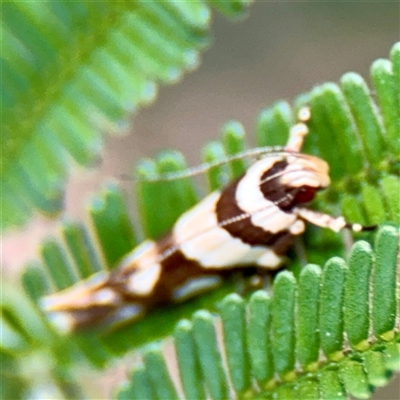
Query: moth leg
x=299 y=249
x=239 y=282
x=262 y=279
x=245 y=283
x=265 y=278
x=299 y=130
x=328 y=221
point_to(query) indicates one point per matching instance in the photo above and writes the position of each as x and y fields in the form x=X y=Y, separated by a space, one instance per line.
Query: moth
x=251 y=222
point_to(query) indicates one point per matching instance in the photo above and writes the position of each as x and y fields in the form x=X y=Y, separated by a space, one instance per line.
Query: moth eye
x=305 y=194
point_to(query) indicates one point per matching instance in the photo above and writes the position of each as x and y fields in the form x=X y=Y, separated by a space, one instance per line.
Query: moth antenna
x=299 y=130
x=202 y=168
x=234 y=219
x=244 y=215
x=296 y=137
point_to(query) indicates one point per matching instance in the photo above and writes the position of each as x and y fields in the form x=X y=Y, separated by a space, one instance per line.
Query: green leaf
x=158 y=374
x=258 y=343
x=177 y=196
x=218 y=176
x=365 y=115
x=354 y=379
x=308 y=342
x=331 y=308
x=355 y=372
x=356 y=313
x=303 y=307
x=189 y=365
x=233 y=316
x=273 y=125
x=383 y=282
x=109 y=214
x=330 y=385
x=283 y=308
x=72 y=70
x=209 y=355
x=142 y=388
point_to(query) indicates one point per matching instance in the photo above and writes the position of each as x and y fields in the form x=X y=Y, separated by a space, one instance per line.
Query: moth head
x=306 y=171
x=294 y=179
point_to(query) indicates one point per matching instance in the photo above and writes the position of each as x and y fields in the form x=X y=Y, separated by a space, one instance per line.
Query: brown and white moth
x=252 y=222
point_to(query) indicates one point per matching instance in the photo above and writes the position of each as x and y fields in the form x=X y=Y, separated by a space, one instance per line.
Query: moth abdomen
x=145 y=279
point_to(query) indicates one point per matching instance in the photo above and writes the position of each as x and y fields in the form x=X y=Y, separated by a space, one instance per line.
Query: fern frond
x=273 y=344
x=71 y=71
x=361 y=183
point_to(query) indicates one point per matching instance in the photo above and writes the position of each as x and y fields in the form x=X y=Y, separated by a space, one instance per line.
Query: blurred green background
x=279 y=51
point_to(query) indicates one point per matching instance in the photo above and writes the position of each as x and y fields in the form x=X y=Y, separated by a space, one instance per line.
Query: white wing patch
x=198 y=219
x=145 y=268
x=143 y=280
x=248 y=193
x=63 y=321
x=80 y=296
x=193 y=287
x=270 y=260
x=146 y=253
x=272 y=218
x=127 y=312
x=249 y=197
x=105 y=296
x=199 y=237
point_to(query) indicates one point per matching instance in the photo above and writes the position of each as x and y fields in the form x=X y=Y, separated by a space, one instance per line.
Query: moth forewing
x=251 y=222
